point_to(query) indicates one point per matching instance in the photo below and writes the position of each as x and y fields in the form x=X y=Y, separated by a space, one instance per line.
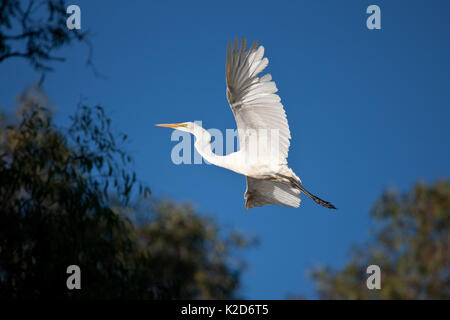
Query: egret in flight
x=259 y=114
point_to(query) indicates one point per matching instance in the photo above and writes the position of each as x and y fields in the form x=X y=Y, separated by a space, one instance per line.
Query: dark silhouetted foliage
x=411 y=245
x=69 y=197
x=35 y=30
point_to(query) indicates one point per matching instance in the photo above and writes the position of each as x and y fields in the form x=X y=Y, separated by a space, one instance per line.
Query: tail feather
x=316 y=199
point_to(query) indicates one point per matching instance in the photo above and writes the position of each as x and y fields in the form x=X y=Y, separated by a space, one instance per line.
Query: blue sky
x=368 y=110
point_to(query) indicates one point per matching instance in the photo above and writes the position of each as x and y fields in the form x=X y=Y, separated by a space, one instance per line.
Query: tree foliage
x=411 y=244
x=35 y=30
x=69 y=196
x=187 y=252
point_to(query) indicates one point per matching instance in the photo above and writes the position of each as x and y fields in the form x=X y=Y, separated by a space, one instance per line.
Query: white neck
x=203 y=147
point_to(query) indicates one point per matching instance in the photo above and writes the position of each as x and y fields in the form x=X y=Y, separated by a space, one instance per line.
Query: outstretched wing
x=256 y=107
x=261 y=192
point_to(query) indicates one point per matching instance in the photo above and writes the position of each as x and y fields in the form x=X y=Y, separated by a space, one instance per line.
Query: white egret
x=257 y=110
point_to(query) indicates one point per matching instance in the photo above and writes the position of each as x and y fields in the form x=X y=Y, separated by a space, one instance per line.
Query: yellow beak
x=172 y=125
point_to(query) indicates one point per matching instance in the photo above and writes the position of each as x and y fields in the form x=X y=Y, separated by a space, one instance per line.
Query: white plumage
x=252 y=99
x=264 y=135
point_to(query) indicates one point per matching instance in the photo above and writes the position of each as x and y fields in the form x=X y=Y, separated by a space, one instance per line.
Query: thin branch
x=13 y=54
x=30 y=55
x=42 y=39
x=26 y=13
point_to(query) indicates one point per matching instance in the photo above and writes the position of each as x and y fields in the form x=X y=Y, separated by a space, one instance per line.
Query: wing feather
x=262 y=192
x=253 y=99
